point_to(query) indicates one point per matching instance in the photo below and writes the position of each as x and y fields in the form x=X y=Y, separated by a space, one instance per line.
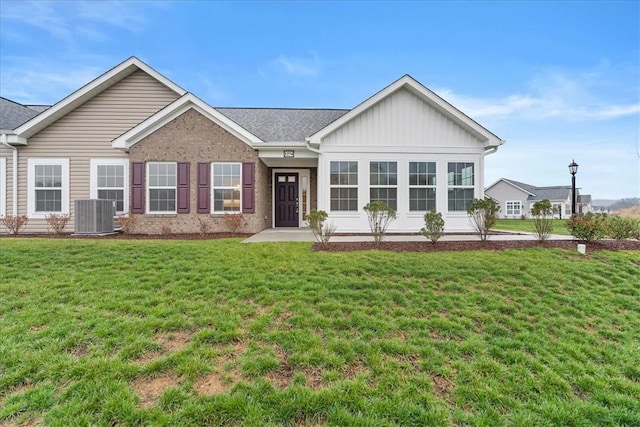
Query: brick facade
x=194 y=138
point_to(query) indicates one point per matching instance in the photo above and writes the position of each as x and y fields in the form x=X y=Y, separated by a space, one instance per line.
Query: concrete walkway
x=305 y=235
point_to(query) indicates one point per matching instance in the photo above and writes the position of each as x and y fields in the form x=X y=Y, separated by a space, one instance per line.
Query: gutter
x=490 y=151
x=313 y=150
x=14 y=171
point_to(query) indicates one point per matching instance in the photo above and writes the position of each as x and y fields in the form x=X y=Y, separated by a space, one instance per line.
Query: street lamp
x=573 y=169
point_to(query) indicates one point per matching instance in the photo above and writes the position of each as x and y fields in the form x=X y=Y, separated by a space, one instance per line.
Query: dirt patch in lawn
x=443 y=386
x=226 y=373
x=471 y=245
x=169 y=341
x=151 y=388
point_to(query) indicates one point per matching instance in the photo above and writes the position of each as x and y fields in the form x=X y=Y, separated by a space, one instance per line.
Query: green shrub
x=433 y=226
x=321 y=231
x=542 y=213
x=380 y=216
x=588 y=228
x=483 y=214
x=621 y=228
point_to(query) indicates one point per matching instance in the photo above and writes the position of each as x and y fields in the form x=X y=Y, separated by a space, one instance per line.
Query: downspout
x=14 y=180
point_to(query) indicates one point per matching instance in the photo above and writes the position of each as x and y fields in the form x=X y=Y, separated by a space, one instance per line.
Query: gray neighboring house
x=517 y=198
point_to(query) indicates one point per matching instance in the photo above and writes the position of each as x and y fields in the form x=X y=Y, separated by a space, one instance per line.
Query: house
x=517 y=198
x=167 y=157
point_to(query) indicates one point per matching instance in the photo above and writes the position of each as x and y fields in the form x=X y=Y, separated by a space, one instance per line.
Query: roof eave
x=90 y=90
x=175 y=109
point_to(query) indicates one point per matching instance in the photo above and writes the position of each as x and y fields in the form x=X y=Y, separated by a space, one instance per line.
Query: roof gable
x=90 y=90
x=175 y=109
x=409 y=83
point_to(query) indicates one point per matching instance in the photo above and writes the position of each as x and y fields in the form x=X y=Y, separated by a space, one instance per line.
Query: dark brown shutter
x=248 y=188
x=183 y=187
x=204 y=204
x=137 y=188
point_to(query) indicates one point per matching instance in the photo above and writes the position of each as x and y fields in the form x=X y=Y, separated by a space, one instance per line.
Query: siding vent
x=94 y=216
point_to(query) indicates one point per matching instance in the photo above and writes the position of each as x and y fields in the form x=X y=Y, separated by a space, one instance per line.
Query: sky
x=557 y=80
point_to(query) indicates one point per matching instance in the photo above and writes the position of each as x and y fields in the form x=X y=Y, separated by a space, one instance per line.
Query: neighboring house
x=516 y=198
x=161 y=153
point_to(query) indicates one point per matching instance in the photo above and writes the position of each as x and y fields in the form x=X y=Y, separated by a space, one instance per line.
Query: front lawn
x=215 y=332
x=526 y=225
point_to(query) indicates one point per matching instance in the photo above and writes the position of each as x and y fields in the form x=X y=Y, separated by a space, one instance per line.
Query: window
x=422 y=186
x=48 y=187
x=383 y=183
x=514 y=208
x=227 y=183
x=460 y=182
x=344 y=186
x=110 y=181
x=161 y=178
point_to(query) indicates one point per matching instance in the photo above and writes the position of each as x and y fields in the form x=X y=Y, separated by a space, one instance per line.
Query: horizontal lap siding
x=87 y=133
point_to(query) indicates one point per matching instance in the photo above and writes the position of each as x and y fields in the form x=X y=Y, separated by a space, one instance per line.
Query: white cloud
x=553 y=95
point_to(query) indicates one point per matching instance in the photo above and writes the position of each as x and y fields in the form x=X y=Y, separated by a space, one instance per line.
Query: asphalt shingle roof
x=282 y=124
x=542 y=193
x=13 y=114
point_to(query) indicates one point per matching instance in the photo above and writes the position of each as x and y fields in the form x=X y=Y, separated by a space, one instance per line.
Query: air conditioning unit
x=94 y=216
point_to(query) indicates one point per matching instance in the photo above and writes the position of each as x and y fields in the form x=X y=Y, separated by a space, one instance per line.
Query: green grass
x=526 y=225
x=222 y=333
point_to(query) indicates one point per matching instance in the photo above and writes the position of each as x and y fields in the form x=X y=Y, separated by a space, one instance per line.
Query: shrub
x=234 y=221
x=203 y=225
x=380 y=216
x=433 y=226
x=621 y=228
x=542 y=213
x=14 y=223
x=483 y=214
x=57 y=222
x=127 y=223
x=321 y=231
x=588 y=228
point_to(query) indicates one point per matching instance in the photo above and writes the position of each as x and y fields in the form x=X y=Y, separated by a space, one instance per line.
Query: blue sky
x=557 y=80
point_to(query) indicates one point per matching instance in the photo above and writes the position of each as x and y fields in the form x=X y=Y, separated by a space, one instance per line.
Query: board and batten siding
x=87 y=132
x=401 y=120
x=400 y=128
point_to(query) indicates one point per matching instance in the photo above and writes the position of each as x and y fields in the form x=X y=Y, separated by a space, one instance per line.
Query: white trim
x=3 y=186
x=302 y=173
x=407 y=82
x=93 y=178
x=148 y=188
x=174 y=110
x=213 y=188
x=506 y=208
x=31 y=195
x=89 y=91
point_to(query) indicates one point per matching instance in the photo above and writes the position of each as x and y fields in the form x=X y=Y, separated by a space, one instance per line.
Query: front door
x=286 y=200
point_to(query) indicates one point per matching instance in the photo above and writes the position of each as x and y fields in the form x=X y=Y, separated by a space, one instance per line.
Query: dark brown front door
x=286 y=199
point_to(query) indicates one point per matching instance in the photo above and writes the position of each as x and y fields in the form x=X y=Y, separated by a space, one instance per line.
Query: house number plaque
x=288 y=154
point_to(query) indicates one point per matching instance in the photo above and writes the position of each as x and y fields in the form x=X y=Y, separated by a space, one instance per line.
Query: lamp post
x=573 y=169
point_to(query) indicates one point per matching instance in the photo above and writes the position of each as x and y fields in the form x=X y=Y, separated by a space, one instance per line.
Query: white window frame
x=3 y=186
x=31 y=190
x=385 y=186
x=93 y=179
x=471 y=186
x=149 y=188
x=513 y=204
x=347 y=186
x=214 y=188
x=428 y=186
